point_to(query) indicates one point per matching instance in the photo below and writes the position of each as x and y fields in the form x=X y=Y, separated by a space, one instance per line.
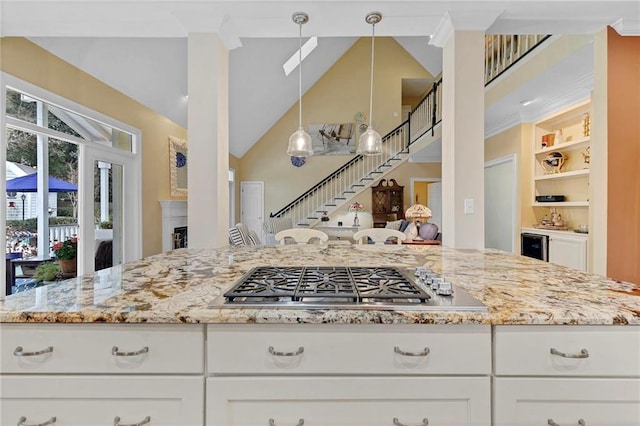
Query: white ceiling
x=139 y=46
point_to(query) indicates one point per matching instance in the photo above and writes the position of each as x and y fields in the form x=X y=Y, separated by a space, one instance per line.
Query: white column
x=104 y=190
x=42 y=202
x=463 y=129
x=598 y=188
x=208 y=140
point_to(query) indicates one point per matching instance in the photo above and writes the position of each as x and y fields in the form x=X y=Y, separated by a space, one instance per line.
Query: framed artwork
x=178 y=166
x=333 y=139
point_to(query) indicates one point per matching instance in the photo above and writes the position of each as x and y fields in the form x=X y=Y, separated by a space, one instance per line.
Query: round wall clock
x=298 y=161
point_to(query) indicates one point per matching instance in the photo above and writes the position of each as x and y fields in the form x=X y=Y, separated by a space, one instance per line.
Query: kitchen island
x=555 y=344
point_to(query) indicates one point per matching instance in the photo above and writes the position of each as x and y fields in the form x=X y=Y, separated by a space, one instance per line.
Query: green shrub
x=47 y=271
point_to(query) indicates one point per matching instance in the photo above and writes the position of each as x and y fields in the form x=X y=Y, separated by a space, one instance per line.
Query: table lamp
x=356 y=207
x=418 y=213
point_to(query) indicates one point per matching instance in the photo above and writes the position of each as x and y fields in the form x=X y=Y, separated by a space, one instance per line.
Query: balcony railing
x=502 y=51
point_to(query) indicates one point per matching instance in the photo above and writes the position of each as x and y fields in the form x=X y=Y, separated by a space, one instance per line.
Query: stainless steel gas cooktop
x=343 y=287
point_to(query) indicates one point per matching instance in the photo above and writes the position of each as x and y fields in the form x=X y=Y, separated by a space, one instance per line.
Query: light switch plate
x=468 y=206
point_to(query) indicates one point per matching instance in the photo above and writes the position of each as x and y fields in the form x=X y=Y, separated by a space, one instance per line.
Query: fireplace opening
x=179 y=237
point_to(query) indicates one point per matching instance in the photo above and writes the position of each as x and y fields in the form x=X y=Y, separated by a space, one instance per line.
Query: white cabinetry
x=92 y=374
x=566 y=248
x=568 y=251
x=332 y=374
x=565 y=374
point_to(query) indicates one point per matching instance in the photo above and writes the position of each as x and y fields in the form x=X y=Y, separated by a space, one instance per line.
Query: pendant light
x=300 y=141
x=370 y=142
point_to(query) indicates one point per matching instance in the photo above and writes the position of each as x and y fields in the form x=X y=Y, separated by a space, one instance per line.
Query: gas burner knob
x=445 y=289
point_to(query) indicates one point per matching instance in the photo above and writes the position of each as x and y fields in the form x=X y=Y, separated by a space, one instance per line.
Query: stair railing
x=359 y=172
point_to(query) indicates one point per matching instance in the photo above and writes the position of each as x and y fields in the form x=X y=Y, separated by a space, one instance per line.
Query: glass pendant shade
x=300 y=144
x=370 y=143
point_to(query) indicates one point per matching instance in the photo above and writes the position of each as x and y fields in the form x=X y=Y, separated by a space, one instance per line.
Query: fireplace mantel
x=174 y=215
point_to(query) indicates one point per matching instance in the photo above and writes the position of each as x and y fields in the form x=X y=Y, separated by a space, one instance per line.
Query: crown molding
x=627 y=27
x=463 y=20
x=578 y=92
x=507 y=122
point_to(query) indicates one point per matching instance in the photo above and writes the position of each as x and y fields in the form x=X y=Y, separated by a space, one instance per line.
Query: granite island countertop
x=179 y=287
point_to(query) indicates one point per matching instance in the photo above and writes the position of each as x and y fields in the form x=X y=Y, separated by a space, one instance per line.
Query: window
x=70 y=171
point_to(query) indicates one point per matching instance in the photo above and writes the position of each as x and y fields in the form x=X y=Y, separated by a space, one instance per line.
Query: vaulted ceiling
x=139 y=46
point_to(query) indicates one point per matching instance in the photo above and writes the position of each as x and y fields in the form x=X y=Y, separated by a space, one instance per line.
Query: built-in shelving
x=569 y=132
x=581 y=143
x=563 y=175
x=562 y=204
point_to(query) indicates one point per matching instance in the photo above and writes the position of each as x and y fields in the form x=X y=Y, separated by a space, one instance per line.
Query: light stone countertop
x=179 y=286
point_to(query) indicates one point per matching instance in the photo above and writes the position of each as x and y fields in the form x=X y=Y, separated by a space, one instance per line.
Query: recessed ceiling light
x=526 y=102
x=294 y=60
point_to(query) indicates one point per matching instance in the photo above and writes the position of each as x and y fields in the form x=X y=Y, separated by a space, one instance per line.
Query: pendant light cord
x=373 y=37
x=300 y=77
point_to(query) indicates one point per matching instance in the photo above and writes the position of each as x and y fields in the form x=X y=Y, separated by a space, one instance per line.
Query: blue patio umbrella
x=29 y=183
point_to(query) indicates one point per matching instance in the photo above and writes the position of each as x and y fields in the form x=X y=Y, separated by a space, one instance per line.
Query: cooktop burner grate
x=320 y=283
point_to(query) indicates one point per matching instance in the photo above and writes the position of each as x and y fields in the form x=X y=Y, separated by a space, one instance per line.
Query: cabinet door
x=568 y=252
x=597 y=402
x=98 y=400
x=348 y=401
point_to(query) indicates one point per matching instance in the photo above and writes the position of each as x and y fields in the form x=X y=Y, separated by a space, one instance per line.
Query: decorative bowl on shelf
x=554 y=162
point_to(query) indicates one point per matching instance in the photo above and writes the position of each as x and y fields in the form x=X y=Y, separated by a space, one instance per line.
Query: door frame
x=242 y=184
x=418 y=179
x=515 y=194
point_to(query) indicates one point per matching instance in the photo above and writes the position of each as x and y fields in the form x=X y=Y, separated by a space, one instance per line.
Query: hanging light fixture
x=370 y=142
x=300 y=141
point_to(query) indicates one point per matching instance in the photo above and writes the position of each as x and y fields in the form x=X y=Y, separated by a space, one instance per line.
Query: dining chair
x=301 y=235
x=378 y=235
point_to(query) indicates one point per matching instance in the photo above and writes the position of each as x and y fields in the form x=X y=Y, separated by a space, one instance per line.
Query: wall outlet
x=468 y=206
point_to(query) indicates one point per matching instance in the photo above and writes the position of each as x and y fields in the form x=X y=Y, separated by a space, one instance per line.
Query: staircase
x=361 y=172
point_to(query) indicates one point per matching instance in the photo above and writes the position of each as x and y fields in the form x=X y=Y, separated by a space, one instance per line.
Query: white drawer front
x=88 y=348
x=98 y=400
x=348 y=401
x=526 y=350
x=336 y=349
x=565 y=401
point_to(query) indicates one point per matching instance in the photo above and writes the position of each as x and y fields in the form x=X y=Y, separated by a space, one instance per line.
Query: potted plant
x=47 y=271
x=66 y=253
x=325 y=217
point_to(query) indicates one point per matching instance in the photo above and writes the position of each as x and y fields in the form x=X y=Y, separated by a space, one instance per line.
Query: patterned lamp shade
x=356 y=207
x=418 y=212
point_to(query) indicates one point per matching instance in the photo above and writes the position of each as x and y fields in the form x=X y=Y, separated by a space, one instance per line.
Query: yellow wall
x=234 y=163
x=420 y=193
x=29 y=62
x=516 y=140
x=341 y=92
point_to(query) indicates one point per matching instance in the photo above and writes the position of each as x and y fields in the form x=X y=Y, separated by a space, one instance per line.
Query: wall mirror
x=178 y=166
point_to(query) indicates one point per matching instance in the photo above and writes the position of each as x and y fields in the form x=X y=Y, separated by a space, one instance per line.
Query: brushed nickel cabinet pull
x=583 y=354
x=397 y=422
x=23 y=419
x=273 y=352
x=550 y=422
x=273 y=423
x=19 y=351
x=115 y=352
x=399 y=351
x=116 y=422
